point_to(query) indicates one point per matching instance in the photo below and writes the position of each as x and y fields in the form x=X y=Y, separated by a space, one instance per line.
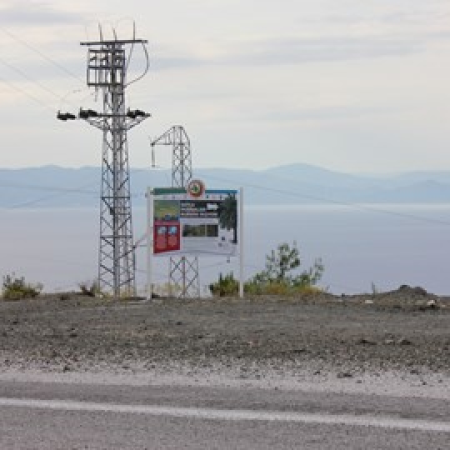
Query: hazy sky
x=349 y=85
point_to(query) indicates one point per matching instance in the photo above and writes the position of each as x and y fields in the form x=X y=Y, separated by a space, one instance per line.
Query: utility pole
x=183 y=271
x=107 y=64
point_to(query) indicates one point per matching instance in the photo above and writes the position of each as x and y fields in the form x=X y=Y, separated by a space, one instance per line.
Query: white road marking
x=234 y=414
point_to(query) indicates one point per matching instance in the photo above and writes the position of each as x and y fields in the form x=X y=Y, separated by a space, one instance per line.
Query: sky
x=349 y=85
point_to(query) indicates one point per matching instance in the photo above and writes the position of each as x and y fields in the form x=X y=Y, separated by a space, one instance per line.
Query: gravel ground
x=405 y=330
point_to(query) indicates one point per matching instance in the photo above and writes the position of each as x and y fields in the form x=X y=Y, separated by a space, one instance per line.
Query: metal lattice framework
x=106 y=72
x=178 y=139
x=183 y=271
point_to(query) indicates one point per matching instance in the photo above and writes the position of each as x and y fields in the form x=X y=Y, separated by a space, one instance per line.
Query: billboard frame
x=150 y=233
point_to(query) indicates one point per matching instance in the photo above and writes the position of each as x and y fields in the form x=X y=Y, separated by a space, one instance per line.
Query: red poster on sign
x=166 y=236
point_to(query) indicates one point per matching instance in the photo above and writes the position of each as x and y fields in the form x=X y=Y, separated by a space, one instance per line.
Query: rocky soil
x=407 y=329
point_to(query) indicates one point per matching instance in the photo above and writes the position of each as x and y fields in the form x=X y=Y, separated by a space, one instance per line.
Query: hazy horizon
x=55 y=186
x=258 y=169
x=355 y=87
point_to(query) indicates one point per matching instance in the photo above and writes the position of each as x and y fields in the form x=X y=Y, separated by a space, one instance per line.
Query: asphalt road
x=81 y=416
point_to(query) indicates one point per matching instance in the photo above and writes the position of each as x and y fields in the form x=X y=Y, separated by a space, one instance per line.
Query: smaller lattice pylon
x=183 y=271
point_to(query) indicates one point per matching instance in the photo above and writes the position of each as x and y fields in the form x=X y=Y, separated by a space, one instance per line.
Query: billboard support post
x=149 y=243
x=241 y=242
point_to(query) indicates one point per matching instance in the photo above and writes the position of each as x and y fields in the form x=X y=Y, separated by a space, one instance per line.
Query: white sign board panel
x=204 y=224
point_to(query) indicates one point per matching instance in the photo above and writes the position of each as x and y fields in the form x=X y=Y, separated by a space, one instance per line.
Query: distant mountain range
x=53 y=186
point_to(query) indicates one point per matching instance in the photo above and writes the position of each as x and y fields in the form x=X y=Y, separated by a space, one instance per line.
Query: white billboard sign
x=194 y=221
x=201 y=224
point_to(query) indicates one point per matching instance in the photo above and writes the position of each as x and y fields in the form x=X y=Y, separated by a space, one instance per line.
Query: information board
x=205 y=222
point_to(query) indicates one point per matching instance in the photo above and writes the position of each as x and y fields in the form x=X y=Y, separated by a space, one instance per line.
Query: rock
x=404 y=341
x=432 y=304
x=364 y=341
x=418 y=290
x=345 y=375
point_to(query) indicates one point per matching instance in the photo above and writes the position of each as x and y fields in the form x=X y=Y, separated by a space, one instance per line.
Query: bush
x=278 y=278
x=226 y=286
x=280 y=265
x=90 y=288
x=279 y=289
x=15 y=288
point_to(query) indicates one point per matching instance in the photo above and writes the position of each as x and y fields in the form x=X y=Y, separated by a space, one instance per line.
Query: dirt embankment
x=407 y=329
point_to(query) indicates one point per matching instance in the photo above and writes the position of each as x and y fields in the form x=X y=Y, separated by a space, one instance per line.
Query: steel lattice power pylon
x=107 y=65
x=183 y=271
x=181 y=154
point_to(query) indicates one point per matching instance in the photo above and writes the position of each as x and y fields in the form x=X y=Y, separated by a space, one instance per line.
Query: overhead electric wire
x=47 y=188
x=61 y=98
x=27 y=94
x=254 y=186
x=57 y=192
x=24 y=75
x=130 y=54
x=13 y=67
x=323 y=200
x=147 y=67
x=41 y=54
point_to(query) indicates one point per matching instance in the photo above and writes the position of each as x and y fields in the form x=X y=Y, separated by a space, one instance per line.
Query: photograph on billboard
x=201 y=222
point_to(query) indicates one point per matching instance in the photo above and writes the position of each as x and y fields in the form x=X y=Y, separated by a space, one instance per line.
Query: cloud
x=26 y=13
x=325 y=113
x=162 y=62
x=300 y=51
x=277 y=114
x=367 y=31
x=291 y=51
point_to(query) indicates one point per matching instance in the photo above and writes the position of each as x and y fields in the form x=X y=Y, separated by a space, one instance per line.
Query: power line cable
x=32 y=80
x=37 y=83
x=324 y=200
x=57 y=192
x=80 y=190
x=41 y=54
x=27 y=94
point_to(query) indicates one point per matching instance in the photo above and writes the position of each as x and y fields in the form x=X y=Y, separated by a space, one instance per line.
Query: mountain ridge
x=56 y=186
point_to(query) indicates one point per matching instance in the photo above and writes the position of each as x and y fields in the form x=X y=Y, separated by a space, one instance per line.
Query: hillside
x=53 y=186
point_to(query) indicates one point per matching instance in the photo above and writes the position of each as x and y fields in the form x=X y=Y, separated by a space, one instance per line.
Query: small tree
x=228 y=215
x=281 y=265
x=280 y=276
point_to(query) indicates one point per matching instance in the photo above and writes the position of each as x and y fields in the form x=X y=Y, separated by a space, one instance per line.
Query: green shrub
x=280 y=277
x=279 y=289
x=90 y=288
x=226 y=286
x=16 y=288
